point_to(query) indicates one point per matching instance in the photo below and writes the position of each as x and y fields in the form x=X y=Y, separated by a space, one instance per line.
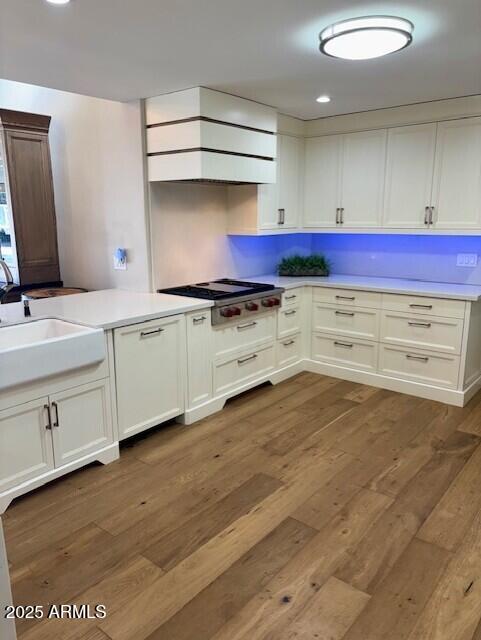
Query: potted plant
x=313 y=265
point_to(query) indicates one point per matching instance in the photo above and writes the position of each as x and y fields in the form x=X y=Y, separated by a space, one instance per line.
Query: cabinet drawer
x=244 y=334
x=419 y=366
x=436 y=334
x=240 y=370
x=421 y=304
x=348 y=297
x=357 y=354
x=347 y=321
x=289 y=321
x=292 y=296
x=289 y=350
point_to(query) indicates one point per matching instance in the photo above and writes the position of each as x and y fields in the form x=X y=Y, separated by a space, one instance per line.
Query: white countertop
x=383 y=285
x=105 y=309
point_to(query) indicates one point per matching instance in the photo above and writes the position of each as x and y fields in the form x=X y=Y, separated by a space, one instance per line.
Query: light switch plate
x=467 y=260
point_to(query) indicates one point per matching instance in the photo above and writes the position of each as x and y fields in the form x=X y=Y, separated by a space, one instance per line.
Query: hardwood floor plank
x=400 y=598
x=418 y=452
x=192 y=534
x=205 y=614
x=471 y=416
x=305 y=427
x=114 y=591
x=454 y=610
x=391 y=534
x=286 y=595
x=329 y=614
x=170 y=593
x=451 y=518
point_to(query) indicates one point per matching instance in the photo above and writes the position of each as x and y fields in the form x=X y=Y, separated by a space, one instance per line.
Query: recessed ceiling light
x=58 y=1
x=323 y=99
x=365 y=38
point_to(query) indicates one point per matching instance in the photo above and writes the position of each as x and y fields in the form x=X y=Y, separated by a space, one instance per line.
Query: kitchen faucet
x=9 y=283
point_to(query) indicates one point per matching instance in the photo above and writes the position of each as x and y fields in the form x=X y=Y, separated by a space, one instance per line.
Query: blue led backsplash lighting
x=418 y=257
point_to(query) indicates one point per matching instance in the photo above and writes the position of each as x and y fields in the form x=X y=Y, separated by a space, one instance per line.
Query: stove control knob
x=268 y=302
x=276 y=301
x=236 y=311
x=252 y=306
x=226 y=312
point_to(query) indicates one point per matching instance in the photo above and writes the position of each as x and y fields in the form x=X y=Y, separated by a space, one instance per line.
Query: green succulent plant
x=315 y=264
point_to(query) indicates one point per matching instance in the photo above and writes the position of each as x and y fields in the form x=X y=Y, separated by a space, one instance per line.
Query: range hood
x=201 y=135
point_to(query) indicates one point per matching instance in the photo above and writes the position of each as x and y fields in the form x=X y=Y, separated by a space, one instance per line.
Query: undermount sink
x=49 y=347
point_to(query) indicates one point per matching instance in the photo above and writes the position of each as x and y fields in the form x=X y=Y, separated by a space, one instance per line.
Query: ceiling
x=264 y=50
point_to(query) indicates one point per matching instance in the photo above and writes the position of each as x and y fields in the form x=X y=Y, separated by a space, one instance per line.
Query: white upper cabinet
x=409 y=175
x=289 y=195
x=456 y=196
x=322 y=181
x=262 y=208
x=362 y=178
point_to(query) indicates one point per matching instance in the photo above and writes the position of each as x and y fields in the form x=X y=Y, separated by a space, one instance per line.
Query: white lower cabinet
x=81 y=421
x=149 y=372
x=345 y=352
x=436 y=369
x=199 y=348
x=26 y=448
x=289 y=321
x=424 y=332
x=241 y=369
x=53 y=431
x=346 y=321
x=289 y=350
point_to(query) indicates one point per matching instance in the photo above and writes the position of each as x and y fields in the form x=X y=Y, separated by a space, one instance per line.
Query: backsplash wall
x=431 y=258
x=190 y=241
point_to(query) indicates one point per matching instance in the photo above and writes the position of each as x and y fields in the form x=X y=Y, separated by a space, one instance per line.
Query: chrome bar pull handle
x=348 y=345
x=421 y=358
x=344 y=313
x=426 y=216
x=243 y=360
x=199 y=320
x=281 y=216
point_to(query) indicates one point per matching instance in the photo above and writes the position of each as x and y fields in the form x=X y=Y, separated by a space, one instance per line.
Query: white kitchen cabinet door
x=322 y=161
x=290 y=160
x=362 y=178
x=81 y=421
x=409 y=176
x=457 y=175
x=150 y=372
x=25 y=443
x=199 y=357
x=280 y=204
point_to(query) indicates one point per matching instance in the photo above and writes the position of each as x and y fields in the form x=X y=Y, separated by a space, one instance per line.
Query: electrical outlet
x=120 y=265
x=467 y=260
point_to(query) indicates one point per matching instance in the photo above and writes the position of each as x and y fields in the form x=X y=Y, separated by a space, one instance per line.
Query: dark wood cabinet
x=29 y=173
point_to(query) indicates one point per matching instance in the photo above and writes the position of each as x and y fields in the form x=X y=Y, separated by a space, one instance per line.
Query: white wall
x=97 y=161
x=189 y=241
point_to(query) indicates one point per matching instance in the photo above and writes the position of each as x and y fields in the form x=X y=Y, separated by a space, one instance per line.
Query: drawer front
x=440 y=370
x=292 y=296
x=289 y=350
x=426 y=306
x=427 y=332
x=347 y=321
x=245 y=333
x=348 y=297
x=356 y=354
x=289 y=321
x=240 y=370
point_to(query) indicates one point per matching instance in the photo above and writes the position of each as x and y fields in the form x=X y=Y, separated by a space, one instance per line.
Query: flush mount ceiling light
x=323 y=99
x=365 y=38
x=58 y=1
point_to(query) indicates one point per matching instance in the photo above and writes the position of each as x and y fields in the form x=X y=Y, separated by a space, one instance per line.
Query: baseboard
x=105 y=455
x=448 y=396
x=472 y=390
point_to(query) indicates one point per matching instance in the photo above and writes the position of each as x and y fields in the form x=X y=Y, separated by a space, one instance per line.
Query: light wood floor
x=316 y=509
